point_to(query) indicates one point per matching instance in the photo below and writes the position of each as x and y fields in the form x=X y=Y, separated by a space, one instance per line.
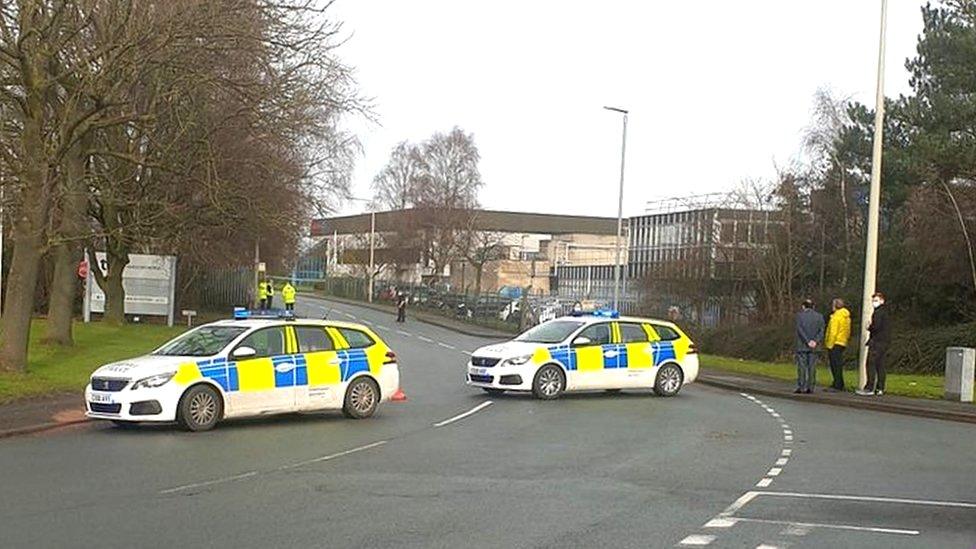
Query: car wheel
x=549 y=382
x=362 y=398
x=669 y=380
x=200 y=408
x=493 y=392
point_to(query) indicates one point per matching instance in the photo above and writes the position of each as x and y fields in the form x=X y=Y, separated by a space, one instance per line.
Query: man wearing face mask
x=879 y=338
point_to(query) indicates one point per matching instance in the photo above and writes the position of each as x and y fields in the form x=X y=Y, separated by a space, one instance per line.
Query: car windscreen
x=551 y=332
x=204 y=341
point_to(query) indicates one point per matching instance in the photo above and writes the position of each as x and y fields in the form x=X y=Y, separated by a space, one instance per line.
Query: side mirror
x=244 y=352
x=582 y=341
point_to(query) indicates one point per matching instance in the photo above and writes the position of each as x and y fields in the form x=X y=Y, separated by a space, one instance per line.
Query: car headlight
x=152 y=382
x=519 y=360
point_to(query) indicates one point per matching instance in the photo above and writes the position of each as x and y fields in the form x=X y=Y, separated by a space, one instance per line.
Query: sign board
x=262 y=267
x=149 y=282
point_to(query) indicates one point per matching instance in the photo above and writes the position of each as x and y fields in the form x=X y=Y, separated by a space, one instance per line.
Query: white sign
x=149 y=282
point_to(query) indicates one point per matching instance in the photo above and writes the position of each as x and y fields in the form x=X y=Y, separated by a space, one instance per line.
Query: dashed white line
x=697 y=540
x=764 y=483
x=774 y=472
x=767 y=546
x=378 y=327
x=720 y=523
x=332 y=456
x=788 y=438
x=209 y=482
x=782 y=461
x=787 y=452
x=459 y=417
x=425 y=339
x=401 y=332
x=446 y=346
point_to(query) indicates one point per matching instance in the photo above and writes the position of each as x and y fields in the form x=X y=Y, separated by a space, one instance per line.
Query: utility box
x=959 y=373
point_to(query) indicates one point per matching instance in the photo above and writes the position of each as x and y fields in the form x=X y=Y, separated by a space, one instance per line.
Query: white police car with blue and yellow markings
x=248 y=367
x=593 y=351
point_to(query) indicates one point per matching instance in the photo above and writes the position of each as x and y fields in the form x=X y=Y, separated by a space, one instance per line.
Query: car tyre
x=549 y=382
x=200 y=408
x=362 y=398
x=669 y=380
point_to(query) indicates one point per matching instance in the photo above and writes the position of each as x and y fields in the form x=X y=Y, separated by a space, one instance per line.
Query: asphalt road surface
x=451 y=467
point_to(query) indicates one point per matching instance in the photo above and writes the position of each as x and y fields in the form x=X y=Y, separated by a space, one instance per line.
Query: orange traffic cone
x=398 y=396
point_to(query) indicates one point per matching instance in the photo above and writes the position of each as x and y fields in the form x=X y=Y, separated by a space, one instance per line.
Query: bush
x=913 y=350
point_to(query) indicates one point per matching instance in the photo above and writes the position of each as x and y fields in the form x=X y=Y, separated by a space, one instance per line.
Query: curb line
x=40 y=427
x=425 y=318
x=863 y=405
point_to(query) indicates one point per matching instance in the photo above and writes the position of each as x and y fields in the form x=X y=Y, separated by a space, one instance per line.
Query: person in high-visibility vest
x=263 y=295
x=270 y=293
x=288 y=295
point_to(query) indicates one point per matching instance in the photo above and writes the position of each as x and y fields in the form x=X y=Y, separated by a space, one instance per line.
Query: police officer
x=270 y=292
x=263 y=295
x=288 y=296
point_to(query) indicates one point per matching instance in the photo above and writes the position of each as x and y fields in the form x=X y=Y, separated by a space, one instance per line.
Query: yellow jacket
x=262 y=290
x=288 y=293
x=838 y=329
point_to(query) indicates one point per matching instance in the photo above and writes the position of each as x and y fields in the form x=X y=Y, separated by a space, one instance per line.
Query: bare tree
x=395 y=187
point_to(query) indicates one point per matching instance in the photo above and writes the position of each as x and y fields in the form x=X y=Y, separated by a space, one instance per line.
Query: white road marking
x=764 y=483
x=774 y=472
x=401 y=332
x=348 y=315
x=776 y=415
x=788 y=438
x=720 y=523
x=786 y=426
x=697 y=540
x=425 y=339
x=378 y=327
x=459 y=417
x=469 y=353
x=782 y=461
x=796 y=530
x=209 y=482
x=787 y=451
x=446 y=346
x=332 y=456
x=787 y=432
x=767 y=546
x=834 y=526
x=874 y=499
x=743 y=500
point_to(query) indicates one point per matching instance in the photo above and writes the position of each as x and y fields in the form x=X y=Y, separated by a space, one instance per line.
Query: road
x=448 y=469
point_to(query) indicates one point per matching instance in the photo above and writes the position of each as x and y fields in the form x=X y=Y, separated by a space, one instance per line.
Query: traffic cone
x=398 y=396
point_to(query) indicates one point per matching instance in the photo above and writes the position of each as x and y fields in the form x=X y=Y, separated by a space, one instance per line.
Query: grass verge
x=53 y=368
x=910 y=385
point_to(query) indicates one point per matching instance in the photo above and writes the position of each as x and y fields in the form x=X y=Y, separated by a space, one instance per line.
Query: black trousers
x=270 y=300
x=401 y=314
x=264 y=304
x=836 y=357
x=289 y=306
x=876 y=368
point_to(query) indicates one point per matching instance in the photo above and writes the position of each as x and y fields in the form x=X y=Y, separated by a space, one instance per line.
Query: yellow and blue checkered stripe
x=661 y=351
x=225 y=373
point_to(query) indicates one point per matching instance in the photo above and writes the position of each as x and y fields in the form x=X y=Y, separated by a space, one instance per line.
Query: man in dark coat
x=878 y=341
x=809 y=336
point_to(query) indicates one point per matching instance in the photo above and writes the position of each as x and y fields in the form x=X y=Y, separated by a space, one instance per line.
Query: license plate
x=101 y=398
x=479 y=371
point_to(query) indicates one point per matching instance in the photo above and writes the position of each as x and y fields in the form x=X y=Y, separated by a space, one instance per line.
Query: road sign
x=149 y=282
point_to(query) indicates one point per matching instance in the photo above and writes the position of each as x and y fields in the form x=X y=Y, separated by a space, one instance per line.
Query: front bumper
x=143 y=405
x=501 y=376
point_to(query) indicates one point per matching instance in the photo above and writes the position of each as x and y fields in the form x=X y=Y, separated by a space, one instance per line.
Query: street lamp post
x=871 y=253
x=620 y=210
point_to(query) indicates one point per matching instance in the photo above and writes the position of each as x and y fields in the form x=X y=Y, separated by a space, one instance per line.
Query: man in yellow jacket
x=288 y=296
x=838 y=335
x=262 y=295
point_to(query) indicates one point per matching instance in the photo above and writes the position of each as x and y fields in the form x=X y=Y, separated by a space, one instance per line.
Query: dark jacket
x=809 y=327
x=880 y=328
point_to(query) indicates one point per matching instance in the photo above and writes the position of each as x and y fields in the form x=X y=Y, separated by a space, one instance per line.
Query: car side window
x=313 y=339
x=356 y=339
x=632 y=333
x=666 y=333
x=266 y=342
x=598 y=334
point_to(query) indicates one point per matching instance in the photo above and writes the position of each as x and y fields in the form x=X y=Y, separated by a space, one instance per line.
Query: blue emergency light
x=602 y=313
x=243 y=313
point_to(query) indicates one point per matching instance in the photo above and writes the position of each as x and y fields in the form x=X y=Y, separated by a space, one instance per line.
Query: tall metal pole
x=620 y=210
x=257 y=274
x=372 y=249
x=871 y=254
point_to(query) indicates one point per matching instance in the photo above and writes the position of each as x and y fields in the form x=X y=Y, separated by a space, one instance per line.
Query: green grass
x=911 y=385
x=52 y=368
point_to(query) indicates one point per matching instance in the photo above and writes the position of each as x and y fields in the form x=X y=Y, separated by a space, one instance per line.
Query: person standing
x=879 y=337
x=809 y=334
x=270 y=293
x=288 y=296
x=401 y=307
x=838 y=334
x=262 y=295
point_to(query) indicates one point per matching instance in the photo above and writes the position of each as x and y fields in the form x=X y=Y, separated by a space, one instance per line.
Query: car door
x=323 y=367
x=589 y=348
x=266 y=381
x=636 y=346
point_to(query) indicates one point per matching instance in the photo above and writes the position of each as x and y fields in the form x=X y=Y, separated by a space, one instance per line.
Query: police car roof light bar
x=242 y=313
x=602 y=313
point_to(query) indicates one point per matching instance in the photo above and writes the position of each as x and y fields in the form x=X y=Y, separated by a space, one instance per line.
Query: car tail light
x=692 y=349
x=390 y=357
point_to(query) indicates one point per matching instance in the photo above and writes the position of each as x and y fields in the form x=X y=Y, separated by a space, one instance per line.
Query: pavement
x=452 y=467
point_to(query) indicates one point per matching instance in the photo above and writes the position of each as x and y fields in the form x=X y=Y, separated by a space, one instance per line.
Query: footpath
x=44 y=413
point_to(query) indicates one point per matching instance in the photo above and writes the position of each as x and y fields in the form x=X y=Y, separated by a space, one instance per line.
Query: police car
x=588 y=351
x=251 y=365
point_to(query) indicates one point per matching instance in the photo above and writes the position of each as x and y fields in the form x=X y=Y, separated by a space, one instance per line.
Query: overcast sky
x=718 y=90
